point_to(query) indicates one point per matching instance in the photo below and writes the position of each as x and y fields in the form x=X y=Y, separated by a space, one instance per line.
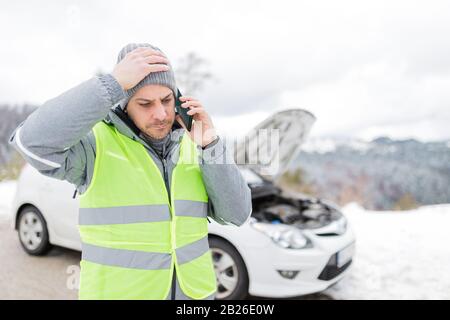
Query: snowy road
x=399 y=255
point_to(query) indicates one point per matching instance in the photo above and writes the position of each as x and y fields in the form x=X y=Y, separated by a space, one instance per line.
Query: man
x=146 y=185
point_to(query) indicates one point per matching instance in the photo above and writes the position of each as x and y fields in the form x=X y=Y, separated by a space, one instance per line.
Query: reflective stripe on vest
x=132 y=236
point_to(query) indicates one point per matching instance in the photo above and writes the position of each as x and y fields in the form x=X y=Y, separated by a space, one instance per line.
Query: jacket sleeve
x=229 y=194
x=57 y=138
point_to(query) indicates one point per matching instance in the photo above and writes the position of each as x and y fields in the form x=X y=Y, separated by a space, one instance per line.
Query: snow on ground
x=399 y=255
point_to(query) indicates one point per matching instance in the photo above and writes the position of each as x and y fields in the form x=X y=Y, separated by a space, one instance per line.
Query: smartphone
x=186 y=118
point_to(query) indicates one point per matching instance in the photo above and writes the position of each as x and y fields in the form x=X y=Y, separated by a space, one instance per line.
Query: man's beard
x=157 y=135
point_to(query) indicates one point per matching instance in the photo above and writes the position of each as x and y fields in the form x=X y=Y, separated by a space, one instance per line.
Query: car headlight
x=285 y=236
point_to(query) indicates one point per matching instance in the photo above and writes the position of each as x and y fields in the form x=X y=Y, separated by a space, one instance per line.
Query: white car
x=292 y=245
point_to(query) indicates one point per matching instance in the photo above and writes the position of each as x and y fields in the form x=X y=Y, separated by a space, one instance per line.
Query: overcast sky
x=364 y=68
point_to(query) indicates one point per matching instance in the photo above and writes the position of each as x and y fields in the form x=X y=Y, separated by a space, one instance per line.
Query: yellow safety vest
x=133 y=234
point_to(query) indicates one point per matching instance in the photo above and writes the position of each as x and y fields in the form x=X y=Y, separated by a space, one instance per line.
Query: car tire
x=33 y=232
x=235 y=274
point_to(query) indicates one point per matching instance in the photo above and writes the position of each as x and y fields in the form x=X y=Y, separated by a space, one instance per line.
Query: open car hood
x=270 y=152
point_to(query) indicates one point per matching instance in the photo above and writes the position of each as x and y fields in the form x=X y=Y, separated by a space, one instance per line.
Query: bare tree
x=192 y=74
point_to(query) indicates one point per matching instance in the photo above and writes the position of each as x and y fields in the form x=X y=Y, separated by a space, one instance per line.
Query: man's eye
x=167 y=100
x=144 y=104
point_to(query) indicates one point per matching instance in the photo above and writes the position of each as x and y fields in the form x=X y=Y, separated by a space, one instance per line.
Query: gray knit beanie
x=165 y=78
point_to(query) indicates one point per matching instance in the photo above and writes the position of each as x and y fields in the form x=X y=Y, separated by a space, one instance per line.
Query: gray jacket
x=58 y=141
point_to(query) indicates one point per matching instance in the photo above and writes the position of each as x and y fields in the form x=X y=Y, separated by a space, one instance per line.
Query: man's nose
x=160 y=113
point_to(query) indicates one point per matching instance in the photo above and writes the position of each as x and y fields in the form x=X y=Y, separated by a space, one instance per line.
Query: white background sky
x=364 y=68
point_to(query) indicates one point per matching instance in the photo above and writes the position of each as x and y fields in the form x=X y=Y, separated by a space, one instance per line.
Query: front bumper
x=316 y=266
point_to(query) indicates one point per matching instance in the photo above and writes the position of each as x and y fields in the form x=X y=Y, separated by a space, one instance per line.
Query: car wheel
x=231 y=273
x=33 y=232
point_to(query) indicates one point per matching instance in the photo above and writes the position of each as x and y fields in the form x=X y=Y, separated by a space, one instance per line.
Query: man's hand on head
x=137 y=64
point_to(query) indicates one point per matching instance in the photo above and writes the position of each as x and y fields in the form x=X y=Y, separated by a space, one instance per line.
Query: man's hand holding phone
x=202 y=131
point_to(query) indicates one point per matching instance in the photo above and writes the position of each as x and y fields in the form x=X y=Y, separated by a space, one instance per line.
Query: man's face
x=152 y=109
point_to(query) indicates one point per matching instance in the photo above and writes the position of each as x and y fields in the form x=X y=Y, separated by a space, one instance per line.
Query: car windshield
x=250 y=176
